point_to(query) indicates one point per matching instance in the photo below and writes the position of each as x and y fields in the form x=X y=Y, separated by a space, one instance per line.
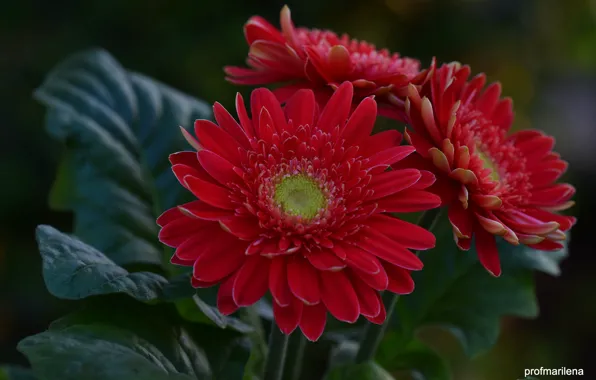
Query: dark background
x=543 y=52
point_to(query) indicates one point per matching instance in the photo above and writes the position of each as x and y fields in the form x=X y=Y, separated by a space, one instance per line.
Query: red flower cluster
x=494 y=183
x=295 y=203
x=322 y=60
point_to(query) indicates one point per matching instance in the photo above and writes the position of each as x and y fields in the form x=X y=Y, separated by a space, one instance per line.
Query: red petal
x=339 y=58
x=487 y=102
x=526 y=224
x=300 y=108
x=389 y=156
x=185 y=158
x=202 y=284
x=370 y=305
x=503 y=114
x=252 y=77
x=552 y=195
x=379 y=319
x=547 y=245
x=461 y=220
x=181 y=171
x=178 y=261
x=486 y=247
x=201 y=210
x=245 y=228
x=463 y=244
x=409 y=201
x=361 y=123
x=257 y=28
x=545 y=177
x=251 y=281
x=420 y=143
x=169 y=216
x=565 y=222
x=312 y=321
x=337 y=109
x=407 y=234
x=229 y=124
x=201 y=241
x=303 y=280
x=218 y=167
x=178 y=231
x=393 y=181
x=378 y=281
x=219 y=260
x=339 y=296
x=325 y=260
x=288 y=317
x=207 y=192
x=225 y=301
x=360 y=259
x=400 y=280
x=245 y=121
x=276 y=58
x=217 y=140
x=278 y=281
x=379 y=141
x=263 y=98
x=384 y=248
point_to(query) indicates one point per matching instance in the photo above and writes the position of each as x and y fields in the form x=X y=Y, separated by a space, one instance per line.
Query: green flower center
x=299 y=195
x=489 y=164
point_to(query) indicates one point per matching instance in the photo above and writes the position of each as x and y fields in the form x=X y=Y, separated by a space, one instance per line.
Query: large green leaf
x=9 y=372
x=119 y=128
x=75 y=270
x=414 y=360
x=156 y=324
x=454 y=291
x=96 y=352
x=199 y=305
x=226 y=351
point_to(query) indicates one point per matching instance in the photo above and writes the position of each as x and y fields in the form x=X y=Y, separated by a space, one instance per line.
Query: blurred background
x=543 y=52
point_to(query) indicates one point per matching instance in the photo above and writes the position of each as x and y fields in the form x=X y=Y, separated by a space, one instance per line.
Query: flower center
x=299 y=195
x=489 y=164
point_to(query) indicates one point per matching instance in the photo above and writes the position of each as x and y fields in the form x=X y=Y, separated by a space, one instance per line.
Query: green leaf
x=10 y=372
x=118 y=128
x=96 y=352
x=196 y=310
x=454 y=291
x=159 y=326
x=415 y=358
x=363 y=371
x=75 y=270
x=201 y=307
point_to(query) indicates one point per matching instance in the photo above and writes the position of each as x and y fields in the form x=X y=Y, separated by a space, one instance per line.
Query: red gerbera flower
x=494 y=183
x=321 y=60
x=294 y=203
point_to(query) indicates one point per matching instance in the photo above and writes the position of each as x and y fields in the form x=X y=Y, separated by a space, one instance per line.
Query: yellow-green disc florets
x=489 y=164
x=299 y=195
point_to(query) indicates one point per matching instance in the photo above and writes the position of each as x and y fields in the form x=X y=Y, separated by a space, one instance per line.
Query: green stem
x=295 y=356
x=373 y=334
x=278 y=345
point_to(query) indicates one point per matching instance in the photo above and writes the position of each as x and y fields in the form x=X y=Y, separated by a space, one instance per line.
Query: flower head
x=322 y=60
x=494 y=183
x=294 y=202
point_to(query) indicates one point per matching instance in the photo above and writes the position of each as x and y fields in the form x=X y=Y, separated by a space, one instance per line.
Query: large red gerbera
x=321 y=60
x=294 y=203
x=494 y=183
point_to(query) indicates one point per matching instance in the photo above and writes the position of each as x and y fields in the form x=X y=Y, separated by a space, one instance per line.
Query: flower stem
x=278 y=345
x=295 y=355
x=373 y=334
